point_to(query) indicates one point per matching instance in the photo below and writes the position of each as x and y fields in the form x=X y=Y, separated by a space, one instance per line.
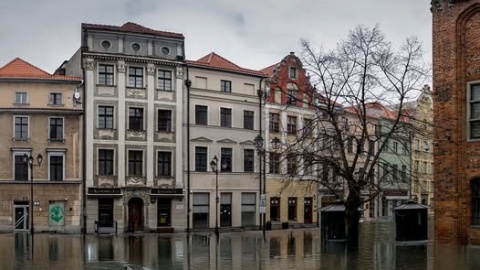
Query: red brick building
x=456 y=84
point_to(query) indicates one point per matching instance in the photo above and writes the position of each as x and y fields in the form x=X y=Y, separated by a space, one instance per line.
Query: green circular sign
x=56 y=213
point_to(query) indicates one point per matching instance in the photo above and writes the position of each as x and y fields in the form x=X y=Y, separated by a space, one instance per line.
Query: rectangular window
x=55 y=99
x=164 y=164
x=56 y=128
x=350 y=144
x=200 y=159
x=291 y=124
x=292 y=164
x=20 y=167
x=225 y=117
x=135 y=118
x=325 y=174
x=248 y=208
x=371 y=147
x=424 y=167
x=226 y=159
x=274 y=122
x=105 y=162
x=21 y=98
x=274 y=163
x=226 y=86
x=292 y=73
x=404 y=173
x=307 y=127
x=135 y=77
x=395 y=172
x=135 y=163
x=165 y=120
x=395 y=147
x=474 y=111
x=164 y=81
x=248 y=119
x=476 y=202
x=307 y=164
x=416 y=166
x=292 y=97
x=248 y=156
x=105 y=74
x=105 y=117
x=56 y=166
x=292 y=208
x=275 y=209
x=201 y=115
x=417 y=144
x=21 y=127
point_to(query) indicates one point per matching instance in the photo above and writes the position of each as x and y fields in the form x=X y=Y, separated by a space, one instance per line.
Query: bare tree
x=355 y=88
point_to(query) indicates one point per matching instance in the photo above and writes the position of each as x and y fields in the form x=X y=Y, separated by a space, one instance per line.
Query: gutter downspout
x=188 y=84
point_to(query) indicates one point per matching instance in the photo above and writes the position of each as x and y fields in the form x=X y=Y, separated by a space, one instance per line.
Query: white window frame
x=21 y=153
x=26 y=101
x=469 y=113
x=56 y=153
x=172 y=80
x=61 y=99
x=63 y=128
x=28 y=128
x=98 y=115
x=114 y=73
x=128 y=76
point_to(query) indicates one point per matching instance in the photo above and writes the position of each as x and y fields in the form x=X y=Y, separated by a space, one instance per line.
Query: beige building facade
x=41 y=115
x=223 y=123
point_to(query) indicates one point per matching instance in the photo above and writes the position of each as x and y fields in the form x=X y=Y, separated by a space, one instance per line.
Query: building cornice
x=135 y=59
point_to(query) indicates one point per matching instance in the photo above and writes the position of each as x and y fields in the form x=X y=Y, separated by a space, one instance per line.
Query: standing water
x=282 y=249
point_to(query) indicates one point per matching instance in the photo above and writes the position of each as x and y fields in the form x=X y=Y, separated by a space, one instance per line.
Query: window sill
x=138 y=88
x=21 y=104
x=108 y=85
x=20 y=139
x=56 y=105
x=164 y=90
x=56 y=140
x=165 y=131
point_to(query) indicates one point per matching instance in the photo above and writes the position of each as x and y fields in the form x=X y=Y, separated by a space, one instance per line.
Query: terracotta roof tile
x=130 y=27
x=19 y=68
x=214 y=60
x=269 y=70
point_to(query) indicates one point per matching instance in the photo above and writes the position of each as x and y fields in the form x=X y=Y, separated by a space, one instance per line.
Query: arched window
x=476 y=202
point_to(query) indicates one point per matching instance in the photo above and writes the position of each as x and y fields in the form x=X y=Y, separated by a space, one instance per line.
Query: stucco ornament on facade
x=121 y=67
x=89 y=64
x=151 y=69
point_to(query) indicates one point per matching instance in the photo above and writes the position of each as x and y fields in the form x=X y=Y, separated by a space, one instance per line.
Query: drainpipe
x=188 y=84
x=84 y=139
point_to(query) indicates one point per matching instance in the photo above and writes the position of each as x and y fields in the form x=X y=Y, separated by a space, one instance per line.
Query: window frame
x=248 y=160
x=226 y=115
x=53 y=98
x=136 y=122
x=22 y=165
x=62 y=136
x=225 y=86
x=103 y=161
x=200 y=114
x=275 y=203
x=167 y=124
x=475 y=197
x=201 y=159
x=226 y=159
x=248 y=119
x=106 y=74
x=291 y=124
x=274 y=163
x=292 y=72
x=52 y=154
x=138 y=79
x=21 y=125
x=165 y=164
x=134 y=162
x=292 y=208
x=274 y=122
x=105 y=116
x=164 y=83
x=21 y=97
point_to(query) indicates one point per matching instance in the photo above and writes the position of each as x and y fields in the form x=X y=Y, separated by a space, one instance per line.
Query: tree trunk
x=352 y=219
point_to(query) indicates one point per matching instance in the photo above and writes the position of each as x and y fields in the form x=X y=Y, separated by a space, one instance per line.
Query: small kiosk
x=333 y=222
x=411 y=222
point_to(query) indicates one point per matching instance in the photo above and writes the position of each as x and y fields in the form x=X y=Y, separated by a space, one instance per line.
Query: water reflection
x=282 y=249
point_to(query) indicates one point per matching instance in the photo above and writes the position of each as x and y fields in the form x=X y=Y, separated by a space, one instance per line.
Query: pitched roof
x=269 y=70
x=19 y=68
x=130 y=27
x=215 y=61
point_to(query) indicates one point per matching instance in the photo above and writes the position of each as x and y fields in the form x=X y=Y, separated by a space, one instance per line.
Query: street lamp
x=276 y=143
x=214 y=167
x=29 y=160
x=261 y=154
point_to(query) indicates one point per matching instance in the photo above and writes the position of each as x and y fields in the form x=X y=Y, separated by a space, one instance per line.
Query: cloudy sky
x=252 y=33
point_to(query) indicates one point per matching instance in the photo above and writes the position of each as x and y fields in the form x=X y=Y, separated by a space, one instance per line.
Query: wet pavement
x=282 y=249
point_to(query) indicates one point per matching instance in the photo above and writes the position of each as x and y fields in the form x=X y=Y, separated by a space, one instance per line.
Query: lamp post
x=214 y=167
x=28 y=159
x=261 y=173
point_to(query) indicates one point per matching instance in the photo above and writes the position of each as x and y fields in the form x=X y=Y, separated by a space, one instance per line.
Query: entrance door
x=226 y=210
x=135 y=214
x=105 y=212
x=307 y=218
x=21 y=217
x=164 y=212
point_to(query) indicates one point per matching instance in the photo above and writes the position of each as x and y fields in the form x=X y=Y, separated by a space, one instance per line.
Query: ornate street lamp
x=276 y=143
x=214 y=167
x=29 y=160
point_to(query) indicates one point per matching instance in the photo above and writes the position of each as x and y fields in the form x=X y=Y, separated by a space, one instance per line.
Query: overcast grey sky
x=252 y=33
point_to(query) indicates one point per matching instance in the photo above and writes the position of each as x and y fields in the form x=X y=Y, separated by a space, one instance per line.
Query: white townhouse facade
x=223 y=123
x=133 y=78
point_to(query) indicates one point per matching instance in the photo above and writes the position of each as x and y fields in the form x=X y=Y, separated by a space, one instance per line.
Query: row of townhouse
x=128 y=135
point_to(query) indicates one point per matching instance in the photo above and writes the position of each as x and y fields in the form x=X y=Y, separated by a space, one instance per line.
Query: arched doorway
x=135 y=214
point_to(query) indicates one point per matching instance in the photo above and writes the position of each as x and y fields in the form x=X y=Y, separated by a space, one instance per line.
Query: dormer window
x=292 y=73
